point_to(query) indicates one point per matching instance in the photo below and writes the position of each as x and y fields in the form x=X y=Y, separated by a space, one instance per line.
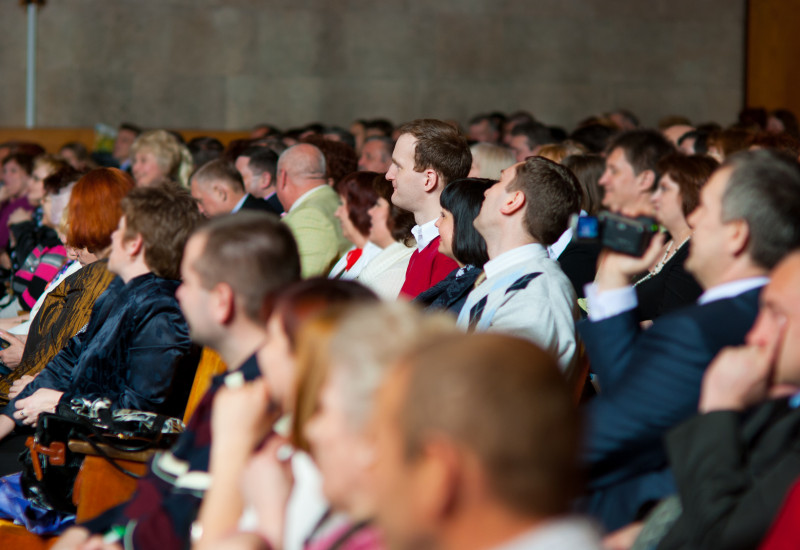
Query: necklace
x=668 y=254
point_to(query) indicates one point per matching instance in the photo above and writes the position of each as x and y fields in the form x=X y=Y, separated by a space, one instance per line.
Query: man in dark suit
x=258 y=166
x=735 y=462
x=219 y=190
x=650 y=380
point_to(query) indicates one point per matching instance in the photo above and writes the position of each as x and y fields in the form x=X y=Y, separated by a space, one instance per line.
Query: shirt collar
x=557 y=248
x=239 y=204
x=305 y=196
x=515 y=256
x=731 y=289
x=425 y=233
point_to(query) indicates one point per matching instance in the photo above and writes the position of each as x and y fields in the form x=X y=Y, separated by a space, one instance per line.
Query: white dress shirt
x=425 y=233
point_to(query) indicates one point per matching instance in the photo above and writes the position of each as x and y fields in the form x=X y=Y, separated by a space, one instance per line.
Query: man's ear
x=265 y=180
x=438 y=479
x=513 y=203
x=738 y=233
x=645 y=181
x=134 y=245
x=282 y=179
x=431 y=180
x=222 y=303
x=221 y=192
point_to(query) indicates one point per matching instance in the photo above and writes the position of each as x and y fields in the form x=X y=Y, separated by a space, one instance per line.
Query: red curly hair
x=94 y=208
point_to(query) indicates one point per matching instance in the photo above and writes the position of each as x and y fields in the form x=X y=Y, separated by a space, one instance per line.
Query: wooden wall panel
x=773 y=50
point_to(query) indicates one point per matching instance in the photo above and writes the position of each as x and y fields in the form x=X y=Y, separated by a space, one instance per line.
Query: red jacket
x=425 y=269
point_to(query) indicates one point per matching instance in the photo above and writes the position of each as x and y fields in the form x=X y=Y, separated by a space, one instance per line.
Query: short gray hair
x=304 y=160
x=764 y=191
x=369 y=341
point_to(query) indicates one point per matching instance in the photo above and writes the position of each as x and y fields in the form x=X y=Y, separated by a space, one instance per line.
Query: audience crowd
x=422 y=349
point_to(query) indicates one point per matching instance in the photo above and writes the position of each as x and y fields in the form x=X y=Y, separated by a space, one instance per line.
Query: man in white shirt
x=476 y=440
x=650 y=379
x=525 y=292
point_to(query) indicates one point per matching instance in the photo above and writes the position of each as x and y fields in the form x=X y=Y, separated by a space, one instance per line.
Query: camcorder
x=629 y=236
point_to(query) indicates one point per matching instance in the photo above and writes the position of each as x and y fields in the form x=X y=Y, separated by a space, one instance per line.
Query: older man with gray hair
x=310 y=205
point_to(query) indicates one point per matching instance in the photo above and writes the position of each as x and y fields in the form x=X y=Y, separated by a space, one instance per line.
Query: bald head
x=300 y=169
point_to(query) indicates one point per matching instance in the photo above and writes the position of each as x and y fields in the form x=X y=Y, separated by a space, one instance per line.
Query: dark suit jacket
x=579 y=263
x=733 y=471
x=254 y=203
x=650 y=382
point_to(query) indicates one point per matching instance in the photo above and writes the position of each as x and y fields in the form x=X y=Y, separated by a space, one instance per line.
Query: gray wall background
x=228 y=64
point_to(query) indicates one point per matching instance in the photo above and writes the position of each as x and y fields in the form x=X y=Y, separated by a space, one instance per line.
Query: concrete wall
x=228 y=64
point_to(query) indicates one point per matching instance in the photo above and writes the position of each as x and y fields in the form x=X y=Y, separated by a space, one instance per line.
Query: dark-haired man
x=525 y=292
x=463 y=475
x=527 y=139
x=219 y=190
x=631 y=171
x=136 y=350
x=259 y=169
x=376 y=155
x=427 y=156
x=232 y=269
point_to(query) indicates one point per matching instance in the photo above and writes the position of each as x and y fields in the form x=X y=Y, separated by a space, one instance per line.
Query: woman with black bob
x=461 y=202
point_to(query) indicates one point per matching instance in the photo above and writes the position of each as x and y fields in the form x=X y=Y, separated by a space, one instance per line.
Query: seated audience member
x=337 y=133
x=310 y=205
x=595 y=136
x=219 y=190
x=724 y=143
x=624 y=119
x=675 y=132
x=456 y=476
x=136 y=349
x=667 y=285
x=588 y=169
x=735 y=461
x=631 y=171
x=204 y=149
x=513 y=120
x=485 y=129
x=357 y=196
x=376 y=155
x=390 y=229
x=783 y=143
x=743 y=226
x=526 y=139
x=783 y=120
x=525 y=292
x=77 y=155
x=428 y=155
x=340 y=158
x=259 y=169
x=461 y=202
x=17 y=170
x=233 y=269
x=158 y=157
x=120 y=156
x=348 y=371
x=93 y=214
x=489 y=160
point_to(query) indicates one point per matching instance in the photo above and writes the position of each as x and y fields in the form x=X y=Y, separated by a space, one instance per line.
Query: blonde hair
x=559 y=151
x=172 y=156
x=491 y=159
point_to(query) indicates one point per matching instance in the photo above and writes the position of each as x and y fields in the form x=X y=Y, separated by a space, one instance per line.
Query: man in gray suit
x=525 y=292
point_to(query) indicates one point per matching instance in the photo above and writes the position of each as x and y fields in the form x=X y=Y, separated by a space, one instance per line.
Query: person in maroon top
x=428 y=155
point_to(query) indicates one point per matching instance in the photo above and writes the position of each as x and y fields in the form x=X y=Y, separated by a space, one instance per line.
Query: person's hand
x=242 y=417
x=615 y=270
x=12 y=355
x=623 y=539
x=96 y=542
x=18 y=385
x=740 y=377
x=71 y=539
x=266 y=485
x=43 y=400
x=20 y=215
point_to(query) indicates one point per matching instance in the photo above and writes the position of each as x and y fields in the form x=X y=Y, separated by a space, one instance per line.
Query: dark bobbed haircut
x=252 y=252
x=643 y=149
x=588 y=169
x=94 y=208
x=303 y=300
x=463 y=199
x=764 y=190
x=165 y=216
x=690 y=172
x=552 y=195
x=400 y=221
x=23 y=160
x=475 y=392
x=440 y=147
x=359 y=193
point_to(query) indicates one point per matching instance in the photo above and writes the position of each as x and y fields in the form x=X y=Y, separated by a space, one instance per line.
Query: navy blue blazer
x=649 y=382
x=272 y=204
